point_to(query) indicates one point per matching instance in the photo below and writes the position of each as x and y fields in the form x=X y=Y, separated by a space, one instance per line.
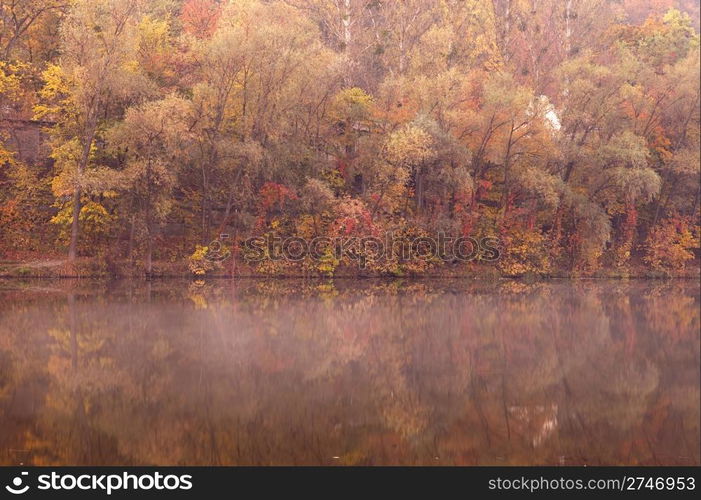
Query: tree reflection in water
x=349 y=372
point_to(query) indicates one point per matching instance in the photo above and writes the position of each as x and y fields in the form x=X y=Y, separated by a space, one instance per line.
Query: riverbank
x=83 y=268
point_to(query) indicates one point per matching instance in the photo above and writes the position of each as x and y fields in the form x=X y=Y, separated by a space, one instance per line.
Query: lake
x=349 y=372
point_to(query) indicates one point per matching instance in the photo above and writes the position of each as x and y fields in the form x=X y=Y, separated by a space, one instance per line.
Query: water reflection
x=369 y=372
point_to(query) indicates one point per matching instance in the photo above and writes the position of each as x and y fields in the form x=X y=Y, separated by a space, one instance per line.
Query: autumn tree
x=256 y=71
x=152 y=136
x=94 y=75
x=19 y=22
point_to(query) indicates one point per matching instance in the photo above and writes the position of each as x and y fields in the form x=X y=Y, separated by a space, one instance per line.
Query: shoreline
x=93 y=270
x=57 y=266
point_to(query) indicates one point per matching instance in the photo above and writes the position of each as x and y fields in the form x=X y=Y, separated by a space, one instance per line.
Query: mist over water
x=363 y=372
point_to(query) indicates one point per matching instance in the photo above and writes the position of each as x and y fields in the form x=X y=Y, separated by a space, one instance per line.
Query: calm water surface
x=349 y=372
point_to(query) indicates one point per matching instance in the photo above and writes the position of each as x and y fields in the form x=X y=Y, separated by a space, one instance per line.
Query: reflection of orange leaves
x=379 y=447
x=58 y=366
x=459 y=444
x=674 y=316
x=415 y=397
x=657 y=415
x=352 y=344
x=269 y=360
x=405 y=415
x=42 y=450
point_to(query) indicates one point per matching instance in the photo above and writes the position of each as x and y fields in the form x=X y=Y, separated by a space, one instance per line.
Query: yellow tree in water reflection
x=381 y=372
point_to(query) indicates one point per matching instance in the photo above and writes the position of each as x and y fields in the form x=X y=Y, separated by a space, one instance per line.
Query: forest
x=136 y=136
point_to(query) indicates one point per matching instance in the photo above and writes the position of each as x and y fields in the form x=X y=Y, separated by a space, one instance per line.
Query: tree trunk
x=75 y=224
x=505 y=192
x=658 y=201
x=419 y=194
x=73 y=247
x=568 y=28
x=696 y=203
x=234 y=252
x=568 y=171
x=205 y=216
x=149 y=255
x=149 y=221
x=347 y=23
x=130 y=253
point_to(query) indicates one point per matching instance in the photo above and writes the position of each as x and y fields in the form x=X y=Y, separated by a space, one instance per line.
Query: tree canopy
x=143 y=130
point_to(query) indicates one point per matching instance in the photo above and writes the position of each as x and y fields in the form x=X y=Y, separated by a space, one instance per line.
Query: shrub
x=668 y=246
x=525 y=252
